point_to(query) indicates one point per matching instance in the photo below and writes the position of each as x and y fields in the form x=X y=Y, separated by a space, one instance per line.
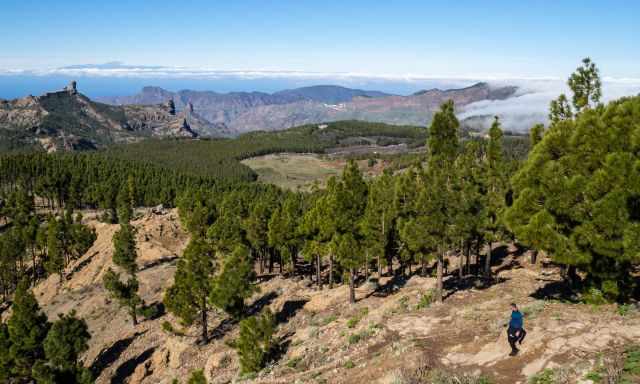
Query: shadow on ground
x=108 y=356
x=126 y=369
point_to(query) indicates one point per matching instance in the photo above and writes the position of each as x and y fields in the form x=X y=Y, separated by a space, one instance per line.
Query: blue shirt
x=516 y=320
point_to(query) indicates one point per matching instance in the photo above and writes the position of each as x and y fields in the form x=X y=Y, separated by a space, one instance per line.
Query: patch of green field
x=294 y=171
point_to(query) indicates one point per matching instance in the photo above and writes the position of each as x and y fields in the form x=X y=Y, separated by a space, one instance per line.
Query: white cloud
x=531 y=104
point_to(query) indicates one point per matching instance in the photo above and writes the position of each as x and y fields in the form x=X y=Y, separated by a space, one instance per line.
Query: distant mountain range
x=68 y=120
x=249 y=111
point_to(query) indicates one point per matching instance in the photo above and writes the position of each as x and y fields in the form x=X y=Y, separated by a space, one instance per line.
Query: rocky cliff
x=67 y=120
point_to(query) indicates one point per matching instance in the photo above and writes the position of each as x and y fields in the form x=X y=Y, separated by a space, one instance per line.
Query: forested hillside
x=448 y=215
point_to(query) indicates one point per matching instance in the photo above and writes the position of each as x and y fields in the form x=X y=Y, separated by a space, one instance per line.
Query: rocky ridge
x=68 y=120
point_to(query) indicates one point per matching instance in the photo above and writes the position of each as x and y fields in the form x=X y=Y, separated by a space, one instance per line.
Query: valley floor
x=386 y=337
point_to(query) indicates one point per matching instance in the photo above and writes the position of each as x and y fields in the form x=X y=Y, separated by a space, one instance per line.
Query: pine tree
x=188 y=296
x=378 y=218
x=283 y=229
x=226 y=232
x=234 y=284
x=126 y=293
x=350 y=202
x=65 y=342
x=586 y=85
x=255 y=342
x=471 y=214
x=125 y=251
x=495 y=191
x=257 y=227
x=560 y=110
x=55 y=249
x=124 y=204
x=405 y=194
x=443 y=149
x=6 y=363
x=319 y=225
x=27 y=328
x=535 y=134
x=576 y=196
x=125 y=254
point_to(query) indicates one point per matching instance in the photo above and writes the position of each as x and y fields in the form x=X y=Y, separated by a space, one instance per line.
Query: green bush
x=329 y=319
x=355 y=338
x=624 y=309
x=293 y=363
x=425 y=300
x=352 y=322
x=594 y=296
x=169 y=328
x=197 y=377
x=548 y=376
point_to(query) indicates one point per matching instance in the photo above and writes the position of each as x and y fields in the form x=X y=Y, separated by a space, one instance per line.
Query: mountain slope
x=69 y=120
x=389 y=335
x=330 y=94
x=415 y=109
x=244 y=112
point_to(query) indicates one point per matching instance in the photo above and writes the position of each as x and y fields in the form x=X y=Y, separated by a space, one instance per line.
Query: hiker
x=516 y=332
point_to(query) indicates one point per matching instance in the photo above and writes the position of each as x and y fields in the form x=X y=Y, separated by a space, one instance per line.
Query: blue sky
x=434 y=38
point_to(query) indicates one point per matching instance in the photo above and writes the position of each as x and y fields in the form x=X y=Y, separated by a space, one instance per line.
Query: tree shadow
x=289 y=309
x=160 y=261
x=228 y=323
x=265 y=277
x=513 y=264
x=455 y=284
x=556 y=290
x=222 y=328
x=282 y=347
x=154 y=310
x=391 y=286
x=108 y=356
x=501 y=252
x=260 y=303
x=127 y=368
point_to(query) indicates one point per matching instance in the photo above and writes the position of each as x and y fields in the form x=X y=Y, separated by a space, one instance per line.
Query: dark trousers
x=515 y=335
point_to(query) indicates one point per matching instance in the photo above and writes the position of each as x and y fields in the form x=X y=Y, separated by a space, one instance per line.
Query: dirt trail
x=323 y=338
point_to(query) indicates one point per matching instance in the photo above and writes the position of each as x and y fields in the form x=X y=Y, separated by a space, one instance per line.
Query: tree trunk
x=477 y=271
x=318 y=277
x=461 y=261
x=330 y=271
x=134 y=316
x=534 y=256
x=468 y=253
x=379 y=267
x=204 y=320
x=352 y=288
x=439 y=277
x=487 y=262
x=423 y=266
x=366 y=265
